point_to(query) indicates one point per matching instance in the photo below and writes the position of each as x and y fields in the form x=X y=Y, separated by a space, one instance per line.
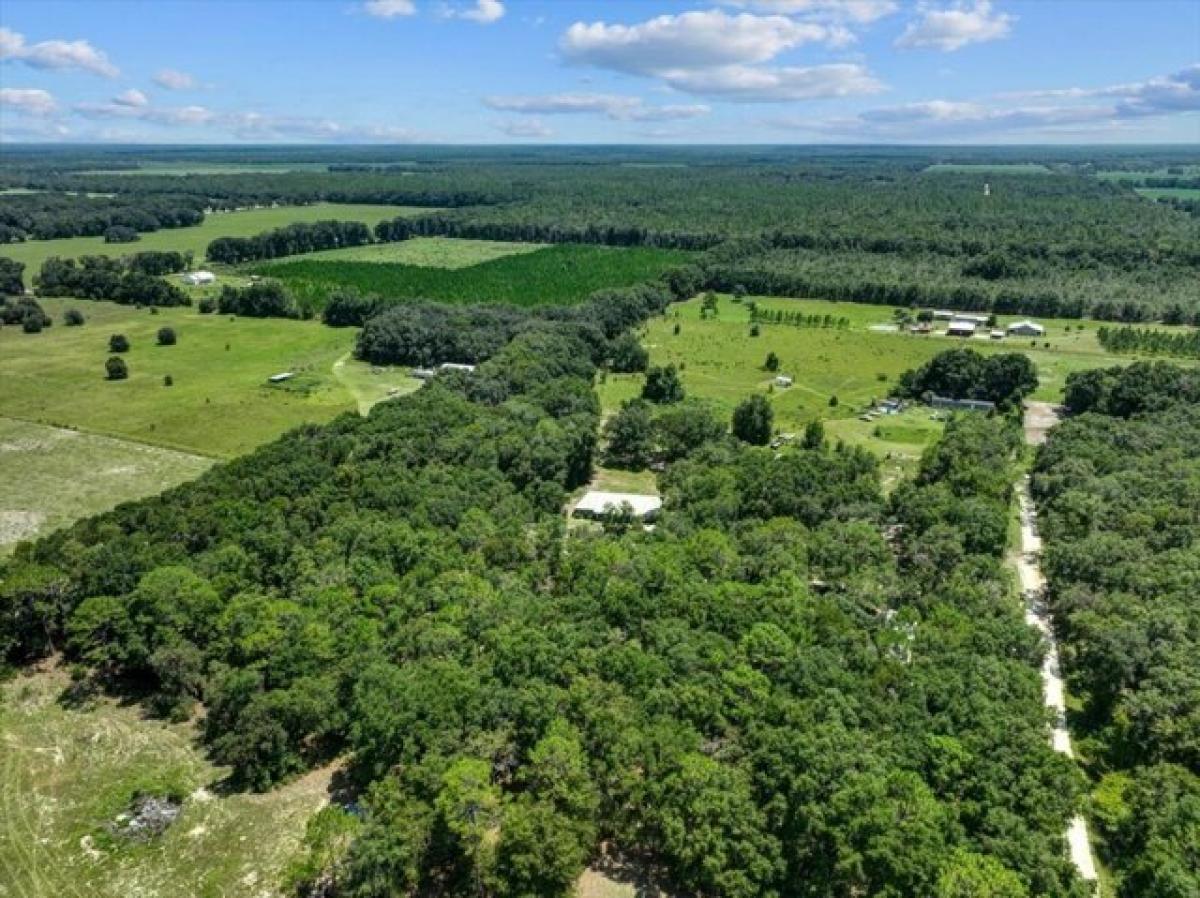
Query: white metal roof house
x=199 y=278
x=1027 y=328
x=599 y=504
x=961 y=327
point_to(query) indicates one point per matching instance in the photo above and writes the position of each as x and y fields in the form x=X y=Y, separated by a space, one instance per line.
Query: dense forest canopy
x=1119 y=488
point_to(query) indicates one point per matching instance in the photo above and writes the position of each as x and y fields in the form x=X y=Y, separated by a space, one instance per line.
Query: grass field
x=564 y=273
x=220 y=403
x=196 y=239
x=209 y=168
x=65 y=774
x=983 y=168
x=1169 y=193
x=53 y=477
x=1183 y=171
x=427 y=252
x=722 y=362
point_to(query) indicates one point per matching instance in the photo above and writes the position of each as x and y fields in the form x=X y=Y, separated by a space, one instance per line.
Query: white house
x=1027 y=328
x=199 y=278
x=961 y=327
x=599 y=504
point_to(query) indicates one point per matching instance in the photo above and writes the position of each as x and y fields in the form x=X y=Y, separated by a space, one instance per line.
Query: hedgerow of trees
x=130 y=281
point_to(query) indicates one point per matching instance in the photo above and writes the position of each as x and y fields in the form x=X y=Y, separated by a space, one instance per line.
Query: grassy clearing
x=220 y=403
x=149 y=167
x=428 y=252
x=53 y=477
x=1182 y=171
x=985 y=168
x=720 y=361
x=372 y=384
x=1169 y=193
x=558 y=274
x=65 y=774
x=196 y=239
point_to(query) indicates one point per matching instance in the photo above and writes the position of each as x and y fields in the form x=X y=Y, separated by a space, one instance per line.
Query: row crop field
x=560 y=274
x=245 y=223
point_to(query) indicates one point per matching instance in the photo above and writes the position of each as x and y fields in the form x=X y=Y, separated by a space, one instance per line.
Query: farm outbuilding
x=199 y=278
x=961 y=327
x=599 y=504
x=783 y=380
x=1026 y=328
x=962 y=405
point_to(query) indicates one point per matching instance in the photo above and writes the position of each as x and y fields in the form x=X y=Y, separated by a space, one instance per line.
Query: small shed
x=599 y=504
x=281 y=377
x=997 y=334
x=199 y=278
x=423 y=373
x=783 y=380
x=456 y=366
x=1026 y=328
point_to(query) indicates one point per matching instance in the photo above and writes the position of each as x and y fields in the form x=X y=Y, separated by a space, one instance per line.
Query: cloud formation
x=612 y=106
x=484 y=12
x=525 y=128
x=28 y=101
x=714 y=53
x=859 y=11
x=133 y=98
x=389 y=9
x=173 y=79
x=55 y=54
x=954 y=27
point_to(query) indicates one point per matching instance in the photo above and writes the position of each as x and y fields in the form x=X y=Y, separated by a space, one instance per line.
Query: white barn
x=199 y=278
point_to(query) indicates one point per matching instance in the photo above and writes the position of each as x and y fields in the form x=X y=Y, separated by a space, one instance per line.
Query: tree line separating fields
x=1149 y=341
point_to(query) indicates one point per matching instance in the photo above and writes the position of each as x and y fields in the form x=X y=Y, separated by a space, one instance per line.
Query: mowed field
x=195 y=240
x=722 y=362
x=564 y=273
x=220 y=403
x=52 y=477
x=66 y=773
x=428 y=252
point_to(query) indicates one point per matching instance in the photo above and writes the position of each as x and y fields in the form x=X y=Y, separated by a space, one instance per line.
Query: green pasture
x=195 y=240
x=564 y=273
x=1169 y=193
x=66 y=772
x=989 y=168
x=53 y=477
x=427 y=252
x=220 y=403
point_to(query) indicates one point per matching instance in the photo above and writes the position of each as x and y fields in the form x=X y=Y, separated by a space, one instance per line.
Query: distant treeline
x=44 y=216
x=301 y=237
x=1184 y=344
x=134 y=280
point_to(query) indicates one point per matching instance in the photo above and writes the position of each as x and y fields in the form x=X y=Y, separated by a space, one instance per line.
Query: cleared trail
x=1039 y=418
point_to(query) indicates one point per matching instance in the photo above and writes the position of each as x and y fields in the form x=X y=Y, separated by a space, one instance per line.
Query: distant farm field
x=566 y=273
x=999 y=168
x=195 y=240
x=427 y=252
x=1169 y=193
x=53 y=477
x=722 y=362
x=220 y=403
x=67 y=772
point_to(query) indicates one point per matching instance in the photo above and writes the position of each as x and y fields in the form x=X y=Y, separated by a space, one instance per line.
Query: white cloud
x=615 y=107
x=484 y=12
x=954 y=27
x=691 y=40
x=173 y=79
x=859 y=11
x=389 y=9
x=132 y=97
x=525 y=128
x=717 y=54
x=765 y=84
x=56 y=54
x=1168 y=95
x=28 y=100
x=177 y=115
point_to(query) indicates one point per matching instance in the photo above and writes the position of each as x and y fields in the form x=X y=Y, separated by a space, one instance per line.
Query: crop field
x=219 y=404
x=1169 y=193
x=428 y=252
x=67 y=772
x=720 y=361
x=53 y=477
x=195 y=240
x=565 y=273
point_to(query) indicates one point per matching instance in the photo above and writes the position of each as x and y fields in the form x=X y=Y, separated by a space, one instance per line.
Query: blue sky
x=601 y=71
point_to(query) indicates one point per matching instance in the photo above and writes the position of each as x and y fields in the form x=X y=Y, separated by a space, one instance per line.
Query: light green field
x=209 y=168
x=65 y=774
x=429 y=252
x=220 y=403
x=1188 y=171
x=196 y=239
x=53 y=477
x=983 y=168
x=372 y=384
x=1169 y=193
x=720 y=361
